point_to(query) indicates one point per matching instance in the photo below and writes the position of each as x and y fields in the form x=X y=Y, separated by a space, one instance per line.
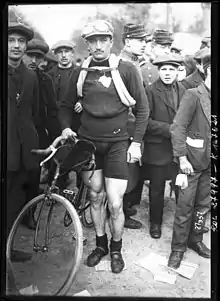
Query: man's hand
x=67 y=133
x=185 y=166
x=134 y=152
x=78 y=107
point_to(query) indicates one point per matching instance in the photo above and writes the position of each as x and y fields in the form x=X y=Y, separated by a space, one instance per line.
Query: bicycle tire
x=85 y=222
x=79 y=237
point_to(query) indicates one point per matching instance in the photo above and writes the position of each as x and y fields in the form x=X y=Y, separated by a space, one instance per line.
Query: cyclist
x=104 y=122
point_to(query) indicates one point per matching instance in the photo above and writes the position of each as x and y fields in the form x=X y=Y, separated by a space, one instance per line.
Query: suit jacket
x=22 y=117
x=157 y=140
x=48 y=110
x=191 y=129
x=193 y=80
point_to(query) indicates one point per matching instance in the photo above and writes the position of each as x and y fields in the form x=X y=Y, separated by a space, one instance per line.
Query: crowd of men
x=147 y=113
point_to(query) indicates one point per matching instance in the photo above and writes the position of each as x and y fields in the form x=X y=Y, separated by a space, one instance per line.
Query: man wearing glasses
x=107 y=87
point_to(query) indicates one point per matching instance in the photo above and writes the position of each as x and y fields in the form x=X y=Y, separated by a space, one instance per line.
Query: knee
x=115 y=209
x=96 y=197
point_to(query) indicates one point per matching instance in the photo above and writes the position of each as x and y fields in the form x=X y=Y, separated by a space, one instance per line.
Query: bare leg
x=98 y=210
x=115 y=189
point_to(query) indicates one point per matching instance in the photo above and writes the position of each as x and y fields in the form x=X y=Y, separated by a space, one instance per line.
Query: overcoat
x=157 y=139
x=191 y=129
x=22 y=116
x=193 y=80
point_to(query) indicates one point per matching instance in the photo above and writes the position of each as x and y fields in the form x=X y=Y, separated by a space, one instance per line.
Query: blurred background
x=189 y=22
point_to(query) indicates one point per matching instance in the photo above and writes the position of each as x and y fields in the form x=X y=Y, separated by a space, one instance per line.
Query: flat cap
x=161 y=36
x=21 y=28
x=134 y=31
x=37 y=46
x=63 y=43
x=206 y=42
x=201 y=53
x=98 y=27
x=168 y=59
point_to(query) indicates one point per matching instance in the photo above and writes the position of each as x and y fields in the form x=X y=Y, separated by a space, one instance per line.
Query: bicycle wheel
x=56 y=256
x=86 y=217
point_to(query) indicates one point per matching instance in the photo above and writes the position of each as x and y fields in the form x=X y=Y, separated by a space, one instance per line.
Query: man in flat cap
x=48 y=128
x=108 y=86
x=191 y=140
x=164 y=97
x=64 y=52
x=22 y=137
x=195 y=79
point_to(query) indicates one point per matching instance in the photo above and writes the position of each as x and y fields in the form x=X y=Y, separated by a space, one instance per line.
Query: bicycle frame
x=48 y=199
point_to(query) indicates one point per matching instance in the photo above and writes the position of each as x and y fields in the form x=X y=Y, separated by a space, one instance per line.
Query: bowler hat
x=98 y=27
x=21 y=28
x=37 y=46
x=133 y=31
x=161 y=36
x=168 y=59
x=63 y=43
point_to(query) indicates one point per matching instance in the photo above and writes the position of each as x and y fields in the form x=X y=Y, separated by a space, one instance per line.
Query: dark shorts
x=111 y=157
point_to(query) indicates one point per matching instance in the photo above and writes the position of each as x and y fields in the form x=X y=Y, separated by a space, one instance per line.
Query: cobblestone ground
x=135 y=280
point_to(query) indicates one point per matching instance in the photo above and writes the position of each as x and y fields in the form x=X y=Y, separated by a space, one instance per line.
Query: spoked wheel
x=85 y=203
x=55 y=255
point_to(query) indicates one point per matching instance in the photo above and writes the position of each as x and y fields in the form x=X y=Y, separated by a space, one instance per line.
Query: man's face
x=159 y=49
x=168 y=73
x=136 y=46
x=100 y=46
x=17 y=44
x=33 y=60
x=65 y=56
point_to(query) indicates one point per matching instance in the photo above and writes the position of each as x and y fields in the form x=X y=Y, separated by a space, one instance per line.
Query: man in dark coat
x=191 y=140
x=64 y=52
x=49 y=127
x=164 y=97
x=22 y=137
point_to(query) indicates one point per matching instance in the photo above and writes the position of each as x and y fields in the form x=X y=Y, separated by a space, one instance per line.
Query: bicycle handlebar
x=50 y=150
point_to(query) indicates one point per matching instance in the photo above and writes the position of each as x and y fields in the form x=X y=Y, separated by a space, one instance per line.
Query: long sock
x=115 y=245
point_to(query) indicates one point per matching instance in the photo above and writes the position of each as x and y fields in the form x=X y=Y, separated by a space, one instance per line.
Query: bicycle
x=77 y=155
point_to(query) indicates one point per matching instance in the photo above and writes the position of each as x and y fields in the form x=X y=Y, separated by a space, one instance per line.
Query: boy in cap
x=164 y=97
x=22 y=137
x=99 y=81
x=191 y=140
